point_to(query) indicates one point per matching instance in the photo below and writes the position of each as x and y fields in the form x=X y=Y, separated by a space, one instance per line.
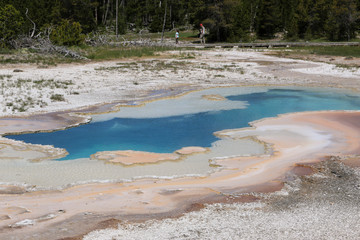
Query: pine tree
x=341 y=23
x=289 y=11
x=268 y=21
x=10 y=24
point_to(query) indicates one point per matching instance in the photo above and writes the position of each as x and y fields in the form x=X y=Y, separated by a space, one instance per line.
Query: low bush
x=67 y=33
x=10 y=24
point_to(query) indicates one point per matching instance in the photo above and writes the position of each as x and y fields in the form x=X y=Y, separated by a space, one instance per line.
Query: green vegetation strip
x=108 y=53
x=119 y=52
x=343 y=51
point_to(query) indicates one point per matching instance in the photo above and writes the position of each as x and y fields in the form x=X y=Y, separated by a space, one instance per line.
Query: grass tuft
x=341 y=51
x=57 y=98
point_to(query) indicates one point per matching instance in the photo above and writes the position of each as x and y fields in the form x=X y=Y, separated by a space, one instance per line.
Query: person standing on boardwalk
x=202 y=33
x=177 y=37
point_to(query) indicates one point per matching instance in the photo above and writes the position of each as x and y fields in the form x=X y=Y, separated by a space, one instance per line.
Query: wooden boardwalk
x=269 y=44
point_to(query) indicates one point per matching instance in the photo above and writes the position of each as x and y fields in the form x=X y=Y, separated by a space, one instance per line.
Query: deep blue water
x=171 y=133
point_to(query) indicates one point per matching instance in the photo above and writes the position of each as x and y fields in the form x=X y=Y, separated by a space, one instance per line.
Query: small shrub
x=11 y=22
x=67 y=33
x=2 y=77
x=57 y=98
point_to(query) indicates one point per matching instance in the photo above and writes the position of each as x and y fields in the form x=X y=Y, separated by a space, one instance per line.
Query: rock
x=4 y=217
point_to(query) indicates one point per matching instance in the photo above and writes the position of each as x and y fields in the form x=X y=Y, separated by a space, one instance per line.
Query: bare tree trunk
x=253 y=16
x=103 y=13
x=163 y=28
x=96 y=15
x=170 y=13
x=34 y=25
x=117 y=19
x=106 y=12
x=147 y=12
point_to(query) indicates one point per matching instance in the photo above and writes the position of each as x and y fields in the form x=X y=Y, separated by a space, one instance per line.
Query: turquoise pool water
x=169 y=133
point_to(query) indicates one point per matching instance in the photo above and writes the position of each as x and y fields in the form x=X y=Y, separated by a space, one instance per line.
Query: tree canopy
x=225 y=20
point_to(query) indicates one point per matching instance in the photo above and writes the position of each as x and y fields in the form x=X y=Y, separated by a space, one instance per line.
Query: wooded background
x=66 y=21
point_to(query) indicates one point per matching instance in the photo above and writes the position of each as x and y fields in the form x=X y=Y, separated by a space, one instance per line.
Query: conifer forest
x=66 y=21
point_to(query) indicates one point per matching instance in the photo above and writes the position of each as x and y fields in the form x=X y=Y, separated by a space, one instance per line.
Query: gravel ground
x=322 y=206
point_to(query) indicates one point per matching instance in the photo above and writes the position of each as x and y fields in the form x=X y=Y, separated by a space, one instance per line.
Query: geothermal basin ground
x=268 y=185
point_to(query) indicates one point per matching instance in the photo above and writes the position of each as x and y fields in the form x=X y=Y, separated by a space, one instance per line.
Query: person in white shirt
x=202 y=33
x=177 y=37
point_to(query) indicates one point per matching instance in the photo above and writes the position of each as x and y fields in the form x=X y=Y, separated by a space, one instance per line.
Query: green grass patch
x=108 y=53
x=2 y=77
x=342 y=51
x=219 y=76
x=42 y=60
x=174 y=65
x=57 y=98
x=6 y=51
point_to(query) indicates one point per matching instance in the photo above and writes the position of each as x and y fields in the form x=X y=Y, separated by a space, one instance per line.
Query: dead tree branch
x=34 y=25
x=44 y=45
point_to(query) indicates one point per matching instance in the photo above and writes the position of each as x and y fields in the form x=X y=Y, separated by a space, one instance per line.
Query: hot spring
x=164 y=126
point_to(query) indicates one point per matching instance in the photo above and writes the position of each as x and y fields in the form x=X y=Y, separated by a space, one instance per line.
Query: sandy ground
x=295 y=139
